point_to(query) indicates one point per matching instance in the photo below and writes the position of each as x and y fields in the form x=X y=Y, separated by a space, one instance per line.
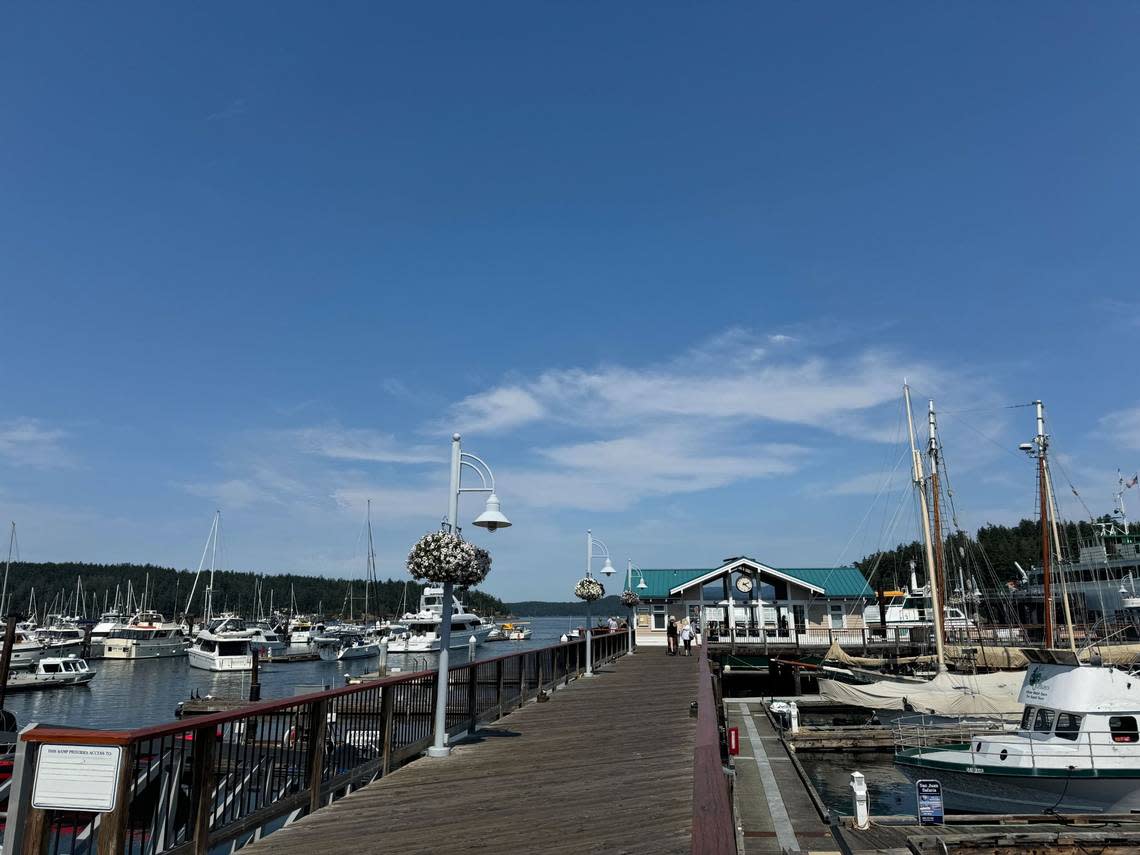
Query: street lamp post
x=641 y=586
x=593 y=544
x=491 y=519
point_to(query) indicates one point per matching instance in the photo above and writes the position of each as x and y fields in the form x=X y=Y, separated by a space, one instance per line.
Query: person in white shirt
x=687 y=639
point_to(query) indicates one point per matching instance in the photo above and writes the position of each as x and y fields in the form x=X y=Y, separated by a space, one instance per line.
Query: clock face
x=744 y=584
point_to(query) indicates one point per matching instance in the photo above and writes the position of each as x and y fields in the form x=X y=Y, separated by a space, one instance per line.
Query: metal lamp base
x=438 y=752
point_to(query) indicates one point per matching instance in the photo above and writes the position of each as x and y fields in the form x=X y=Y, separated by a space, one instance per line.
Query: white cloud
x=339 y=443
x=497 y=409
x=234 y=493
x=1123 y=427
x=27 y=442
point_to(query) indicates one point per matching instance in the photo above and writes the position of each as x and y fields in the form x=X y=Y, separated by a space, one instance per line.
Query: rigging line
x=990 y=409
x=988 y=438
x=870 y=507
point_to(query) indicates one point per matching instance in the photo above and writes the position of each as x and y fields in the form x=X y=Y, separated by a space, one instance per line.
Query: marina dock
x=605 y=765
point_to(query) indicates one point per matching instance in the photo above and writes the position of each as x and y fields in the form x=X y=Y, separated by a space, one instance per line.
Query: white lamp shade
x=492 y=518
x=641 y=586
x=608 y=567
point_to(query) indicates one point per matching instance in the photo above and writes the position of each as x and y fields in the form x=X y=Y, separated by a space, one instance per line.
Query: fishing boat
x=52 y=672
x=421 y=633
x=148 y=635
x=1076 y=749
x=224 y=645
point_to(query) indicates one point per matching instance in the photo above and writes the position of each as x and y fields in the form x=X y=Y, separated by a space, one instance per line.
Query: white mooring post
x=859 y=800
x=383 y=668
x=471 y=649
x=794 y=715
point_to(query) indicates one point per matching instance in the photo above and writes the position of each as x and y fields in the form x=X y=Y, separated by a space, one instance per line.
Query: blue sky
x=664 y=265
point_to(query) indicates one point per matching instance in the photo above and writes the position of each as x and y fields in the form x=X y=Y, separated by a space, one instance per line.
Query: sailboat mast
x=370 y=570
x=1051 y=539
x=935 y=498
x=213 y=556
x=7 y=567
x=920 y=487
x=1046 y=547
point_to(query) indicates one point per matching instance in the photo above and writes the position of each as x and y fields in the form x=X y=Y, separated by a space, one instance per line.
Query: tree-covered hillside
x=168 y=589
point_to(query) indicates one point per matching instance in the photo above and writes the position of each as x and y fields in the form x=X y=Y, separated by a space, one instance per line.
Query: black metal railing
x=189 y=786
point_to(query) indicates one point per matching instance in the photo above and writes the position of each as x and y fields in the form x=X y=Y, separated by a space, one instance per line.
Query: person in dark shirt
x=671 y=636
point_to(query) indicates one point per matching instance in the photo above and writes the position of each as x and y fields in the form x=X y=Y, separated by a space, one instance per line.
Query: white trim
x=734 y=565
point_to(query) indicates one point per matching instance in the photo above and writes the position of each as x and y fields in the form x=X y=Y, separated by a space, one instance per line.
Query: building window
x=837 y=617
x=659 y=618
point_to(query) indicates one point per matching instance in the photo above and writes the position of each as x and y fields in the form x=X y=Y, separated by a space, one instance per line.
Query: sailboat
x=1077 y=747
x=947 y=693
x=225 y=643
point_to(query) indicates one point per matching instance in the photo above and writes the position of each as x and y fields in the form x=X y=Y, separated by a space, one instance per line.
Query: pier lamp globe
x=608 y=568
x=492 y=518
x=641 y=586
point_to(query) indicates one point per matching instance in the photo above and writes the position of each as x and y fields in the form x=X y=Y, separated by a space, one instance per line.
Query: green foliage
x=233 y=590
x=1001 y=545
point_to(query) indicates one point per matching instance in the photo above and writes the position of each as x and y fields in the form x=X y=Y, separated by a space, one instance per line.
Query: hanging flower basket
x=589 y=589
x=441 y=557
x=630 y=599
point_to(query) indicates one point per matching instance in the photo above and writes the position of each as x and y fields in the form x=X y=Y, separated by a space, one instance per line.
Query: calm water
x=889 y=790
x=133 y=694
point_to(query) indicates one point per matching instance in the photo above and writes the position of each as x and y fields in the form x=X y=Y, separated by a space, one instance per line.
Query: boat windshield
x=233 y=648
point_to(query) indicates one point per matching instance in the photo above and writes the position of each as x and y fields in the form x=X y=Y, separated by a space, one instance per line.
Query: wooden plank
x=606 y=765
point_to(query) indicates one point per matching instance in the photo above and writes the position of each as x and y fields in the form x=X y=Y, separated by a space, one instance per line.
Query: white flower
x=441 y=557
x=630 y=598
x=589 y=589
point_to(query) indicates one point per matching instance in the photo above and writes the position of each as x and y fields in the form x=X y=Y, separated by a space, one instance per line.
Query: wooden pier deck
x=774 y=810
x=604 y=766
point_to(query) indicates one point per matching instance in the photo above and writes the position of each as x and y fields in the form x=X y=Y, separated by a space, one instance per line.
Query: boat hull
x=208 y=662
x=430 y=643
x=32 y=682
x=993 y=792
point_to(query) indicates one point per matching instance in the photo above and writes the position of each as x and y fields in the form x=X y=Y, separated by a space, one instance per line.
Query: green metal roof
x=836 y=581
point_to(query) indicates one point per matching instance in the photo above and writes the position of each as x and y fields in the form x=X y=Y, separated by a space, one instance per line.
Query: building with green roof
x=748 y=600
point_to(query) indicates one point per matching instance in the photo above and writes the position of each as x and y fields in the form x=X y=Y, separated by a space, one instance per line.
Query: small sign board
x=929 y=793
x=734 y=741
x=77 y=777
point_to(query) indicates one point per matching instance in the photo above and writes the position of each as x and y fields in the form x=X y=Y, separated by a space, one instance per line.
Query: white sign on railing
x=77 y=777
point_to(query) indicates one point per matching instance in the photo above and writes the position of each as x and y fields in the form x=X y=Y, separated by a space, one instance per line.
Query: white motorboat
x=516 y=630
x=350 y=648
x=911 y=609
x=302 y=631
x=107 y=621
x=1076 y=750
x=421 y=629
x=26 y=650
x=60 y=637
x=52 y=672
x=265 y=641
x=224 y=645
x=148 y=635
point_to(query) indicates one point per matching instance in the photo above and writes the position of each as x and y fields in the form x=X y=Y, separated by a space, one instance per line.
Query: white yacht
x=421 y=630
x=910 y=609
x=302 y=630
x=224 y=645
x=265 y=641
x=26 y=649
x=107 y=621
x=148 y=635
x=1076 y=750
x=60 y=637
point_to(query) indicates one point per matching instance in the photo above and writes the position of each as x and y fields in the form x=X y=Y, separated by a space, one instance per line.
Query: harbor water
x=126 y=694
x=889 y=791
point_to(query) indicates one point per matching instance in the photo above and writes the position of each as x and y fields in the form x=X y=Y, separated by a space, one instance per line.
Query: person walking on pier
x=687 y=638
x=671 y=636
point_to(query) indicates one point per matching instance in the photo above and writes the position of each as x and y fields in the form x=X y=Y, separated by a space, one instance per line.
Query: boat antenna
x=8 y=566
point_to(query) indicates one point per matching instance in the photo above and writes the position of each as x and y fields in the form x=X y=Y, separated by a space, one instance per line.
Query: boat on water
x=349 y=647
x=516 y=630
x=265 y=640
x=421 y=629
x=1076 y=749
x=102 y=628
x=26 y=649
x=224 y=645
x=52 y=672
x=148 y=635
x=60 y=637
